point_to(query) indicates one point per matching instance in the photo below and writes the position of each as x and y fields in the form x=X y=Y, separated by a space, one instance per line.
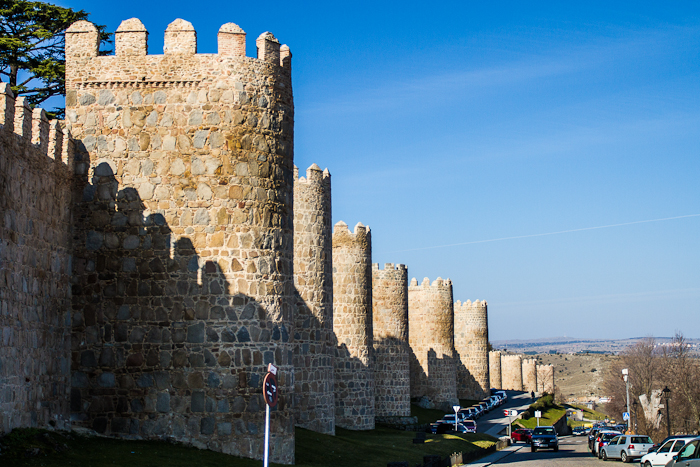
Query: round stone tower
x=182 y=280
x=495 y=369
x=391 y=354
x=431 y=338
x=314 y=342
x=530 y=375
x=512 y=372
x=352 y=323
x=472 y=349
x=545 y=379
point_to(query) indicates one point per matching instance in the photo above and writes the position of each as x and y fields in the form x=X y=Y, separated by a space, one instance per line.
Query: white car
x=687 y=456
x=626 y=447
x=666 y=451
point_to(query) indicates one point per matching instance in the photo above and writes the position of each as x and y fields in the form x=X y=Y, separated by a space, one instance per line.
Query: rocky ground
x=578 y=377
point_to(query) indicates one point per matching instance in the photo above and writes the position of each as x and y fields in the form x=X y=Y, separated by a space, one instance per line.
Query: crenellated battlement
x=342 y=227
x=438 y=283
x=180 y=39
x=33 y=127
x=389 y=267
x=470 y=304
x=314 y=176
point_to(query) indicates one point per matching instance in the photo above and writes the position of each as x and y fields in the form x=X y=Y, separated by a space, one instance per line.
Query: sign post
x=270 y=396
x=538 y=415
x=510 y=413
x=456 y=409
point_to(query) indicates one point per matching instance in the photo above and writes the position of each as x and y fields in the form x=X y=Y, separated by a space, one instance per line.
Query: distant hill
x=579 y=345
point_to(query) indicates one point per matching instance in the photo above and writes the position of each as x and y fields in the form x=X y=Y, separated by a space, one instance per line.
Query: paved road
x=494 y=422
x=573 y=452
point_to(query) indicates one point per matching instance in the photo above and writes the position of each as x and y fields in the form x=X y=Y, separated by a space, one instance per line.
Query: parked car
x=521 y=434
x=469 y=426
x=544 y=437
x=450 y=418
x=469 y=412
x=687 y=456
x=602 y=440
x=662 y=454
x=441 y=427
x=627 y=447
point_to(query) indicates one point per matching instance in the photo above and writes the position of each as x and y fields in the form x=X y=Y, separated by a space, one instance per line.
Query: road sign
x=625 y=415
x=270 y=396
x=270 y=389
x=513 y=413
x=506 y=412
x=538 y=414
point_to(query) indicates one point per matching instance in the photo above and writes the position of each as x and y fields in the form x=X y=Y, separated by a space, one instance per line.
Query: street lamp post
x=667 y=395
x=626 y=378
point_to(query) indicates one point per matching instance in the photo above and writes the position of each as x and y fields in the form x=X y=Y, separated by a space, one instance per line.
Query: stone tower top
x=474 y=304
x=439 y=282
x=131 y=39
x=314 y=175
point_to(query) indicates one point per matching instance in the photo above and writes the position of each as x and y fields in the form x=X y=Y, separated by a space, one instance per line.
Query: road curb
x=496 y=456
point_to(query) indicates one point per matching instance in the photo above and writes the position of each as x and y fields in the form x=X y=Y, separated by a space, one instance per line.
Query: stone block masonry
x=156 y=261
x=431 y=339
x=35 y=266
x=530 y=375
x=182 y=276
x=472 y=349
x=545 y=379
x=495 y=369
x=314 y=341
x=391 y=361
x=352 y=322
x=512 y=372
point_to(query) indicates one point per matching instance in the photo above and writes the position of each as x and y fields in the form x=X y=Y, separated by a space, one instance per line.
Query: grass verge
x=34 y=448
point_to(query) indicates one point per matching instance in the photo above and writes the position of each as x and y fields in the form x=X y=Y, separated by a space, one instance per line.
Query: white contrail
x=548 y=233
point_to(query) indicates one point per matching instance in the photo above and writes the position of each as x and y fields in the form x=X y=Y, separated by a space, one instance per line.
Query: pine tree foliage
x=32 y=48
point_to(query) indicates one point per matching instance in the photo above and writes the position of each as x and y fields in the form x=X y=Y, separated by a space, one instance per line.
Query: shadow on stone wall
x=354 y=391
x=438 y=384
x=160 y=348
x=392 y=382
x=467 y=386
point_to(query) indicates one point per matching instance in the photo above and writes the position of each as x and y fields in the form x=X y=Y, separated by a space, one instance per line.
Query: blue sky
x=460 y=122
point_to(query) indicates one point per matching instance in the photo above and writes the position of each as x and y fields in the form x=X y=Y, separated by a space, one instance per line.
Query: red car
x=521 y=434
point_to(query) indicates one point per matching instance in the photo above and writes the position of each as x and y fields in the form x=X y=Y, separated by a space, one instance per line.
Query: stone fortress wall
x=545 y=379
x=182 y=272
x=152 y=265
x=530 y=375
x=352 y=323
x=495 y=380
x=433 y=367
x=314 y=341
x=512 y=372
x=35 y=262
x=471 y=340
x=391 y=364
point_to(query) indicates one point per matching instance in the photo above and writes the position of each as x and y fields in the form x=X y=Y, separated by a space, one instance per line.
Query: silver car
x=626 y=447
x=689 y=455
